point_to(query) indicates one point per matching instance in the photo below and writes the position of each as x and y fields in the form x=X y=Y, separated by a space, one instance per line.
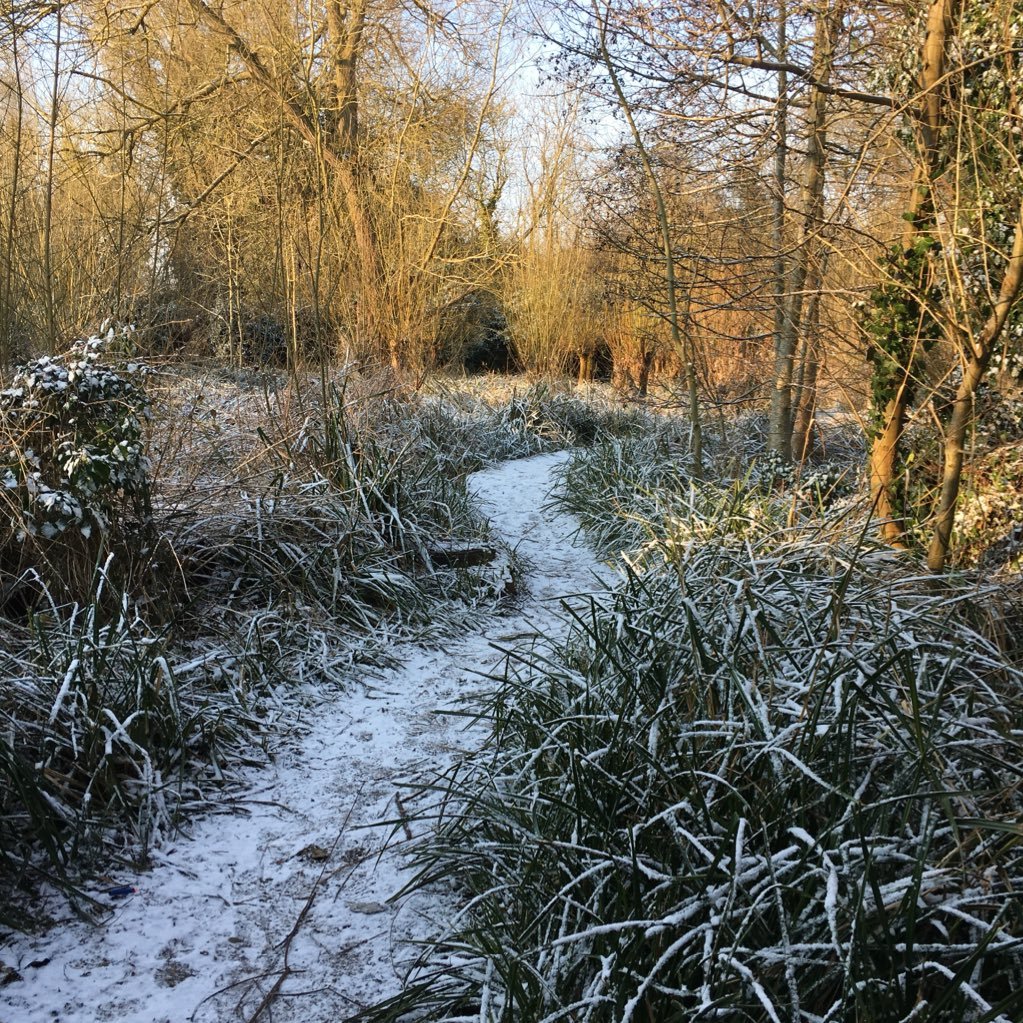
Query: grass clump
x=345 y=523
x=105 y=735
x=619 y=485
x=622 y=488
x=472 y=430
x=768 y=778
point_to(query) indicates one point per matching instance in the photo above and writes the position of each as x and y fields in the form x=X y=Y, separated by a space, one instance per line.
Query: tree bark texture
x=786 y=396
x=779 y=436
x=884 y=452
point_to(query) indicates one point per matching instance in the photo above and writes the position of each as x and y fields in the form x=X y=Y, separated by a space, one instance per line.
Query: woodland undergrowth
x=189 y=557
x=774 y=774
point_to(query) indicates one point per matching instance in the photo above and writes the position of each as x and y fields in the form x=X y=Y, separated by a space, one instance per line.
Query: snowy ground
x=204 y=937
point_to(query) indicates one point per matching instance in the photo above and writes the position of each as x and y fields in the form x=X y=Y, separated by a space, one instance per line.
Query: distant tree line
x=761 y=201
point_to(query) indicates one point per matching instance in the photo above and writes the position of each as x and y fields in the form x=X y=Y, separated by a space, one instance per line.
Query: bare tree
x=955 y=276
x=897 y=350
x=788 y=394
x=681 y=341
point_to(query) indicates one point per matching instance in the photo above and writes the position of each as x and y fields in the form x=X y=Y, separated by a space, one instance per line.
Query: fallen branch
x=275 y=989
x=404 y=816
x=451 y=556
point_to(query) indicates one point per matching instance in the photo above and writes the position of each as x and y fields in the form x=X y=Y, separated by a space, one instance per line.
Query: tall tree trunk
x=827 y=25
x=803 y=424
x=7 y=302
x=47 y=238
x=779 y=436
x=785 y=410
x=980 y=351
x=646 y=363
x=585 y=368
x=806 y=391
x=884 y=452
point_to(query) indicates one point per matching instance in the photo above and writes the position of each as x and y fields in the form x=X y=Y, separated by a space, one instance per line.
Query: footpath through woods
x=276 y=906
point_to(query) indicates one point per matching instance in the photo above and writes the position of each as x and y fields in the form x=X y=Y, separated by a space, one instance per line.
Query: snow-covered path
x=202 y=940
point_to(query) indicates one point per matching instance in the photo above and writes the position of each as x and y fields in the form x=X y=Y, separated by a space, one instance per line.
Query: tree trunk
x=806 y=392
x=643 y=378
x=828 y=23
x=883 y=475
x=884 y=453
x=962 y=412
x=49 y=295
x=779 y=423
x=787 y=397
x=7 y=313
x=585 y=368
x=803 y=426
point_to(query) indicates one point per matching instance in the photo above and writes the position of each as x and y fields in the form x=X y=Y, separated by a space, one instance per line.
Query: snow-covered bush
x=814 y=485
x=73 y=469
x=1006 y=367
x=997 y=413
x=766 y=779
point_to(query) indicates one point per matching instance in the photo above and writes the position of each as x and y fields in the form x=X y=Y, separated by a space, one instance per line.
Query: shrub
x=73 y=469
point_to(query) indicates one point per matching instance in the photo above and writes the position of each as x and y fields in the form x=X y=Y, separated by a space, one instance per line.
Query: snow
x=313 y=846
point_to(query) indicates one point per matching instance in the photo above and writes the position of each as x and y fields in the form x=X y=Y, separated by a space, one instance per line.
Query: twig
x=235 y=983
x=286 y=972
x=404 y=816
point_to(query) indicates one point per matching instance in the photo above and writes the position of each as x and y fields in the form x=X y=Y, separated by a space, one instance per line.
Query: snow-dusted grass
x=473 y=424
x=772 y=777
x=341 y=519
x=624 y=486
x=314 y=840
x=296 y=530
x=108 y=733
